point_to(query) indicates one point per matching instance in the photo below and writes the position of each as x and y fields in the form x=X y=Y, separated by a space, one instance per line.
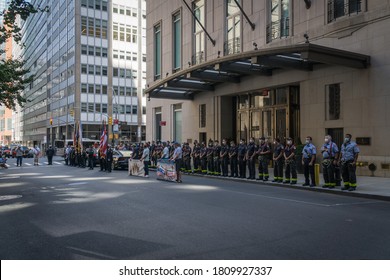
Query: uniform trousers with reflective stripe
x=328 y=171
x=233 y=167
x=263 y=168
x=349 y=174
x=217 y=166
x=252 y=168
x=307 y=169
x=278 y=170
x=291 y=167
x=203 y=164
x=210 y=166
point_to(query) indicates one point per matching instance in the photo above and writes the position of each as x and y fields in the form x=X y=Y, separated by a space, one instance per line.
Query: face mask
x=289 y=142
x=326 y=140
x=307 y=141
x=275 y=143
x=224 y=143
x=241 y=142
x=346 y=140
x=250 y=141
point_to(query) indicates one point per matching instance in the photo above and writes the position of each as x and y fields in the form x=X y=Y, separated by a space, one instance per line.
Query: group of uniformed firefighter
x=215 y=159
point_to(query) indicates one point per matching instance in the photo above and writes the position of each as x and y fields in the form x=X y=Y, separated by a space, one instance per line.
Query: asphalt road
x=60 y=212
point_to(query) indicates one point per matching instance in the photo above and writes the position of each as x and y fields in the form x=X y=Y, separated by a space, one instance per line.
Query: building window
x=83 y=88
x=91 y=50
x=91 y=89
x=104 y=70
x=157 y=51
x=104 y=5
x=333 y=104
x=98 y=107
x=91 y=69
x=340 y=8
x=157 y=123
x=83 y=49
x=104 y=29
x=83 y=3
x=84 y=107
x=135 y=111
x=91 y=27
x=202 y=115
x=115 y=31
x=199 y=39
x=176 y=42
x=83 y=25
x=279 y=19
x=104 y=89
x=83 y=69
x=233 y=28
x=104 y=108
x=177 y=123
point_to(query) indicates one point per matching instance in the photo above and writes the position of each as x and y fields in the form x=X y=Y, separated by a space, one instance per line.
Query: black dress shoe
x=306 y=184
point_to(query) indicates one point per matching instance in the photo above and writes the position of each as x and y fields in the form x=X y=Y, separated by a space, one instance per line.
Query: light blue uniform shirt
x=332 y=150
x=309 y=150
x=349 y=151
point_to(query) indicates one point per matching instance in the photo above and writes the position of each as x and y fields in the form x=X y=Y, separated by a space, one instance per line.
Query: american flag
x=75 y=135
x=103 y=141
x=80 y=137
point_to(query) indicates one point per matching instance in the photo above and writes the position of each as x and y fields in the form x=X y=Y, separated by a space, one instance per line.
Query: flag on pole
x=103 y=140
x=75 y=136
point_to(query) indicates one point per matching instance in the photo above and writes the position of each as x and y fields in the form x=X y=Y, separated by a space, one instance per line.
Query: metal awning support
x=201 y=25
x=246 y=17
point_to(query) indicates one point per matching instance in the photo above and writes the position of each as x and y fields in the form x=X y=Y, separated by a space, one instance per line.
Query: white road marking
x=28 y=164
x=9 y=177
x=78 y=183
x=58 y=163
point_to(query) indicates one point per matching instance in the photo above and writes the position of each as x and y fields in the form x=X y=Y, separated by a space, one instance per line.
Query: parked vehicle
x=121 y=159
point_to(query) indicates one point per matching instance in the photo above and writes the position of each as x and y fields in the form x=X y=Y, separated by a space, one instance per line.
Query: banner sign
x=136 y=167
x=166 y=170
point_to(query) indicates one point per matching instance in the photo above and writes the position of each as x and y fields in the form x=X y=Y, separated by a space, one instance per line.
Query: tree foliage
x=13 y=76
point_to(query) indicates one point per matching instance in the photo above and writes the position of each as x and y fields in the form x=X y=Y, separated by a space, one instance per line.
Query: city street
x=61 y=212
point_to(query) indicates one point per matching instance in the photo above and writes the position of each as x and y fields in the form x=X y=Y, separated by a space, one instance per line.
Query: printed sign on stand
x=136 y=168
x=166 y=170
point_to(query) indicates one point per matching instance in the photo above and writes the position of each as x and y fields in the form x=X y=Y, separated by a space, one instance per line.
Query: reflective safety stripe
x=332 y=184
x=294 y=179
x=346 y=184
x=353 y=185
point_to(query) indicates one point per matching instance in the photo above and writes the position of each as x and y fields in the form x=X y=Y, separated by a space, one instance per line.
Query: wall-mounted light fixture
x=308 y=3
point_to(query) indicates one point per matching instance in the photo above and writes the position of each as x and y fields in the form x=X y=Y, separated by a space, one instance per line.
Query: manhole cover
x=9 y=197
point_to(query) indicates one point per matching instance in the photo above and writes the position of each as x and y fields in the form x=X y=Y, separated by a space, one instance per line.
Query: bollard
x=317 y=173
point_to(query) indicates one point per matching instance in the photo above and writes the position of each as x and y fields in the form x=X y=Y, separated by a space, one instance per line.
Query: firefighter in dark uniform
x=187 y=158
x=289 y=159
x=203 y=158
x=250 y=157
x=216 y=158
x=195 y=157
x=330 y=154
x=233 y=153
x=264 y=153
x=278 y=161
x=210 y=160
x=348 y=158
x=241 y=158
x=309 y=153
x=224 y=157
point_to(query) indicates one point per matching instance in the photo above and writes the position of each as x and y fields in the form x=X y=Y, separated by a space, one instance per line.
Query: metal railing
x=232 y=46
x=198 y=58
x=278 y=29
x=340 y=8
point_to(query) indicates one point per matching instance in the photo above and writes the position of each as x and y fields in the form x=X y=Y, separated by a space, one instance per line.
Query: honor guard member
x=233 y=152
x=203 y=158
x=187 y=158
x=195 y=157
x=241 y=158
x=264 y=153
x=210 y=160
x=157 y=153
x=330 y=154
x=216 y=158
x=224 y=157
x=278 y=161
x=289 y=159
x=308 y=159
x=251 y=150
x=349 y=155
x=109 y=158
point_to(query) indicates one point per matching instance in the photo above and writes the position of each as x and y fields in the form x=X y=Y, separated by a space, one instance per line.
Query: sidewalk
x=367 y=187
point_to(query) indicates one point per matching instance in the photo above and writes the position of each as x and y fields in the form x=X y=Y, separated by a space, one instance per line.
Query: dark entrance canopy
x=204 y=77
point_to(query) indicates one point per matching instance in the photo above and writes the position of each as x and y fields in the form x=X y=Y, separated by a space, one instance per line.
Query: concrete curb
x=299 y=187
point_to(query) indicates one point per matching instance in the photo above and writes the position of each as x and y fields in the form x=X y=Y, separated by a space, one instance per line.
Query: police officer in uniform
x=216 y=158
x=233 y=152
x=224 y=157
x=241 y=158
x=251 y=150
x=330 y=153
x=264 y=153
x=309 y=153
x=278 y=161
x=210 y=160
x=291 y=167
x=348 y=158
